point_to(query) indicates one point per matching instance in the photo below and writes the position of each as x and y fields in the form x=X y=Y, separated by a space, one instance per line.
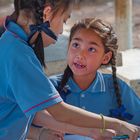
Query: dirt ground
x=104 y=10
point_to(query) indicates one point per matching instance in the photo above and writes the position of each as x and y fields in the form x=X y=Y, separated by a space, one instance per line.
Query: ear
x=107 y=57
x=47 y=13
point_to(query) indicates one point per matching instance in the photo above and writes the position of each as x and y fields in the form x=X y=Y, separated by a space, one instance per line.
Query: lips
x=79 y=66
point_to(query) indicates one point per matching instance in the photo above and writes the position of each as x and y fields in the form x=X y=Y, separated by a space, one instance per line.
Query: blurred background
x=104 y=9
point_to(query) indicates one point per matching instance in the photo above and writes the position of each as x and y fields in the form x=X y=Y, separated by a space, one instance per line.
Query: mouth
x=79 y=66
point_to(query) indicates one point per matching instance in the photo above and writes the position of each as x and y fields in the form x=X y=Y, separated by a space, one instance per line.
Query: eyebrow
x=79 y=39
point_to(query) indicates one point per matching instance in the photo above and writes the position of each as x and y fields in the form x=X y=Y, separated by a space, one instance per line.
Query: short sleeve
x=131 y=102
x=31 y=89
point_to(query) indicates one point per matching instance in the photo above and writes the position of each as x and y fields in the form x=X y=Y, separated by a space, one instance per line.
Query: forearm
x=76 y=116
x=44 y=119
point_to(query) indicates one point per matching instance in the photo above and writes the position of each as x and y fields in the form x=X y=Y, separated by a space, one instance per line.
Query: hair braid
x=38 y=47
x=111 y=45
x=115 y=81
x=67 y=74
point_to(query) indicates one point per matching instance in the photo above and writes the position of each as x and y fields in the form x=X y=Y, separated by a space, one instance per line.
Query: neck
x=84 y=81
x=25 y=20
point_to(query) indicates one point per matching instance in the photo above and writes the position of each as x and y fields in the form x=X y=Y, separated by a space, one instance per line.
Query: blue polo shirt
x=100 y=96
x=24 y=88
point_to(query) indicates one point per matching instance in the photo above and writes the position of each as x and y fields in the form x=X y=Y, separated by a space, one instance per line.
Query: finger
x=109 y=133
x=61 y=137
x=133 y=136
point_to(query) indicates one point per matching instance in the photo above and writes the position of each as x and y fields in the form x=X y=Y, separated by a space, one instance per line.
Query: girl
x=59 y=127
x=33 y=25
x=93 y=43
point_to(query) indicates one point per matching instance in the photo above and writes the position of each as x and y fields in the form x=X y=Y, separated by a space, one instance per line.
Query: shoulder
x=108 y=80
x=14 y=47
x=124 y=87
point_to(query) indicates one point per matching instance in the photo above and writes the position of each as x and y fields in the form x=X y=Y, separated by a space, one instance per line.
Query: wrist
x=116 y=125
x=40 y=131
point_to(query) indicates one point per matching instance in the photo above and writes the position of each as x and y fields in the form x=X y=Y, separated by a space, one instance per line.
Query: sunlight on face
x=86 y=53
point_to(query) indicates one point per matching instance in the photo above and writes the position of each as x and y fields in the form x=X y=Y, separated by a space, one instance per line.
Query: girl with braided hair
x=93 y=43
x=25 y=89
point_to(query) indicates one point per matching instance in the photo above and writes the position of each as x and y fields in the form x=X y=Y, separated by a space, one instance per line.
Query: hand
x=131 y=130
x=106 y=135
x=48 y=134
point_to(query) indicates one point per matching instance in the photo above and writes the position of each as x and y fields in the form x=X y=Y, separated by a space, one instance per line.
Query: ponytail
x=38 y=47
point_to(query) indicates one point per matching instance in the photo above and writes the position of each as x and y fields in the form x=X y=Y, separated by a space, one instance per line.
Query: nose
x=81 y=55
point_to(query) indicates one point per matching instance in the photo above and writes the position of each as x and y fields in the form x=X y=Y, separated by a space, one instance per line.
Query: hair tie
x=45 y=27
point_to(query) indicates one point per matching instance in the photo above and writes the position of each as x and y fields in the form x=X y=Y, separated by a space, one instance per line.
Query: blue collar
x=16 y=30
x=97 y=86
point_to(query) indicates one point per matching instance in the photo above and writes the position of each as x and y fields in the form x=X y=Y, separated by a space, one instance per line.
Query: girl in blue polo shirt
x=92 y=44
x=24 y=88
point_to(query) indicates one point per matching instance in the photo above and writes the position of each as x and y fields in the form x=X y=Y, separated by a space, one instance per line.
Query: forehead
x=87 y=34
x=88 y=37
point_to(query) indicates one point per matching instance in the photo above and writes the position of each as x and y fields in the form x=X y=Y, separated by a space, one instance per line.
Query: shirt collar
x=16 y=30
x=97 y=86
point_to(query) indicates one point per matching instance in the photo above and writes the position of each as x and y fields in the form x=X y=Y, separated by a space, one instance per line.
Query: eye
x=91 y=49
x=75 y=45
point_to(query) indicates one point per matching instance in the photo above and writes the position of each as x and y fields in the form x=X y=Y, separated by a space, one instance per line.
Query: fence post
x=123 y=23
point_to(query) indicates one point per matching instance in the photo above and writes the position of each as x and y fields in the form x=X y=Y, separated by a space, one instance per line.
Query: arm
x=48 y=121
x=37 y=133
x=76 y=116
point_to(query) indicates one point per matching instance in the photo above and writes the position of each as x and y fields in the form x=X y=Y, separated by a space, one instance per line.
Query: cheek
x=57 y=27
x=94 y=62
x=70 y=58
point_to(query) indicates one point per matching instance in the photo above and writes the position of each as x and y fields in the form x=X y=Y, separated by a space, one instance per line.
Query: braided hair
x=109 y=39
x=36 y=8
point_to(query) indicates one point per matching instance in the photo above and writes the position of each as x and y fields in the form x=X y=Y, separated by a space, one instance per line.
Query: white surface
x=131 y=64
